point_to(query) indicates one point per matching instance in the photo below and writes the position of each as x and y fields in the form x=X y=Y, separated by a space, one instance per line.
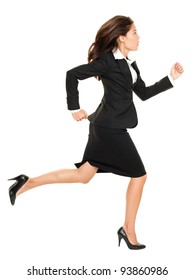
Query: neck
x=124 y=51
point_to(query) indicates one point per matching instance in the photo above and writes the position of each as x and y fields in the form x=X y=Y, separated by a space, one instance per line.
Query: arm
x=144 y=92
x=164 y=84
x=96 y=68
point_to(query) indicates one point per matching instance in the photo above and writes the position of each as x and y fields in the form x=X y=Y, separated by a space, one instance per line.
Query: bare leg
x=81 y=175
x=133 y=197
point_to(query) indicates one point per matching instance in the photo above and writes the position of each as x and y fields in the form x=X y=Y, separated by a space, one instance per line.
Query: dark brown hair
x=106 y=37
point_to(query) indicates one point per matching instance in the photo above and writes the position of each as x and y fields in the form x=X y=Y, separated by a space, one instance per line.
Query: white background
x=75 y=225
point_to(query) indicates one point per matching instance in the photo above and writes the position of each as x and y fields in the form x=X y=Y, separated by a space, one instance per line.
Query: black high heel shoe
x=122 y=235
x=20 y=181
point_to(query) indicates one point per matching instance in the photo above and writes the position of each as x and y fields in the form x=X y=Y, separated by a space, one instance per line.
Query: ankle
x=27 y=186
x=129 y=229
x=131 y=235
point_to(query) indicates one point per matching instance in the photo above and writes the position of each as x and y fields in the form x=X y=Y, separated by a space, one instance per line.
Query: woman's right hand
x=80 y=115
x=176 y=71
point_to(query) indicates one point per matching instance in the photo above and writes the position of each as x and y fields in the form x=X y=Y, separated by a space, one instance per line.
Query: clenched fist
x=80 y=115
x=176 y=71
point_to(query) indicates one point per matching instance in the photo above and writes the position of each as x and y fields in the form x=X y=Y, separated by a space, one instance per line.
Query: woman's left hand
x=176 y=71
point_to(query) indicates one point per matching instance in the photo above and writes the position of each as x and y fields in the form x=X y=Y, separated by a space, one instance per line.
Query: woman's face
x=130 y=41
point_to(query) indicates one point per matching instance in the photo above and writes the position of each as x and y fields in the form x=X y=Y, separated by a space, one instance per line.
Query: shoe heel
x=119 y=239
x=11 y=179
x=18 y=177
x=15 y=178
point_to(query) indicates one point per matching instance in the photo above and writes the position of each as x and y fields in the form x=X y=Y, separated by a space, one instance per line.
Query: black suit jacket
x=116 y=109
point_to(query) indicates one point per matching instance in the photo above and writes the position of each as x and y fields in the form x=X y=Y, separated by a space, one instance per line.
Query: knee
x=85 y=173
x=144 y=177
x=140 y=180
x=85 y=180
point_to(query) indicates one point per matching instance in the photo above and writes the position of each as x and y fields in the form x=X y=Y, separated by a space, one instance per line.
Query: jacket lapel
x=134 y=65
x=122 y=63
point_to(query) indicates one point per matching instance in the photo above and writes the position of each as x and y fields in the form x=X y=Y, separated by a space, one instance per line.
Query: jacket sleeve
x=93 y=69
x=145 y=92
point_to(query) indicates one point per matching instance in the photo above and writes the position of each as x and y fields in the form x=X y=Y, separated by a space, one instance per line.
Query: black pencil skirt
x=112 y=150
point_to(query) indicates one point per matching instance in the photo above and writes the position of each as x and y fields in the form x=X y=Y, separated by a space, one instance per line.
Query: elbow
x=142 y=94
x=143 y=97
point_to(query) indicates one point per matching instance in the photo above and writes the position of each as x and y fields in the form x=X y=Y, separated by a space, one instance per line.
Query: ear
x=121 y=39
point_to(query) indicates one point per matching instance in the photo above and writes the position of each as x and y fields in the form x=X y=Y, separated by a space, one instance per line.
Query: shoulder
x=107 y=56
x=104 y=62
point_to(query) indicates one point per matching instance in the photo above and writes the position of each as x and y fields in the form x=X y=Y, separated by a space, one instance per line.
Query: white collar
x=118 y=55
